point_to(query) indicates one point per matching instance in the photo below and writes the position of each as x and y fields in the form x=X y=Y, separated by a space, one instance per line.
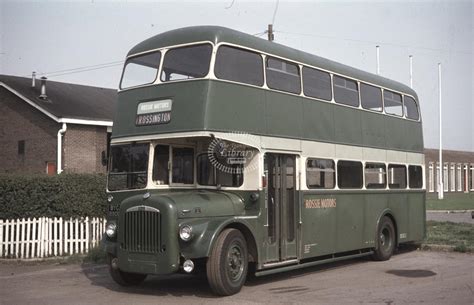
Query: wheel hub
x=235 y=266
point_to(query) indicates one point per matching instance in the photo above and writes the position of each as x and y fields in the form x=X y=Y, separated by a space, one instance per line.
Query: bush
x=65 y=195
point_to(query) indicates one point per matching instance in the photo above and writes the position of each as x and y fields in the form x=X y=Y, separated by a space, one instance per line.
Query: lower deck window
x=415 y=174
x=183 y=165
x=320 y=174
x=208 y=174
x=128 y=166
x=375 y=176
x=349 y=174
x=397 y=176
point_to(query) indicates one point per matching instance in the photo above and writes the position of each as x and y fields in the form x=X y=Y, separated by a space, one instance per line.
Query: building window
x=452 y=178
x=375 y=176
x=50 y=168
x=415 y=176
x=465 y=178
x=320 y=174
x=370 y=97
x=397 y=176
x=317 y=84
x=471 y=178
x=239 y=65
x=438 y=177
x=431 y=178
x=346 y=91
x=349 y=174
x=283 y=75
x=459 y=178
x=445 y=177
x=21 y=148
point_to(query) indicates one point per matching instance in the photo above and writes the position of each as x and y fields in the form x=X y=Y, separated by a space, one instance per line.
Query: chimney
x=33 y=79
x=43 y=88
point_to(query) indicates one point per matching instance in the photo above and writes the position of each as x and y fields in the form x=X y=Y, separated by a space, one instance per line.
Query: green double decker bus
x=230 y=153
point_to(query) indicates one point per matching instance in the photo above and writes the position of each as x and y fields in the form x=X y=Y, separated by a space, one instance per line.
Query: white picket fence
x=46 y=237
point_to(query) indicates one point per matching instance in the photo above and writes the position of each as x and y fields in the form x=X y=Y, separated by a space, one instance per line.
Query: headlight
x=185 y=232
x=111 y=229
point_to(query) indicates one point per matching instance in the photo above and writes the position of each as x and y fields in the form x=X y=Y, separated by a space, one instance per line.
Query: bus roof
x=218 y=34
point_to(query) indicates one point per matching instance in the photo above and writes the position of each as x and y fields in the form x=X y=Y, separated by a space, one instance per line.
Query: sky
x=85 y=42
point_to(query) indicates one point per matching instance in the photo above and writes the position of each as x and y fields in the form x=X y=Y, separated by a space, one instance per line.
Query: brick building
x=458 y=170
x=44 y=124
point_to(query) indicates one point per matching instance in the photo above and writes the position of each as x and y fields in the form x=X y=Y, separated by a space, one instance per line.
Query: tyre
x=386 y=240
x=124 y=278
x=227 y=265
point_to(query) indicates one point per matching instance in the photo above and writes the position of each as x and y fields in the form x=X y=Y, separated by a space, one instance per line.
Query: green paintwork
x=212 y=105
x=220 y=106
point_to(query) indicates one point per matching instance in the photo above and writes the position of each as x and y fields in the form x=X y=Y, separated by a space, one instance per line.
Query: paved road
x=408 y=278
x=454 y=217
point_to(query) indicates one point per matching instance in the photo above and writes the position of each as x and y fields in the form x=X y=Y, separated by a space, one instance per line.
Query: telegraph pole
x=441 y=166
x=411 y=71
x=377 y=49
x=270 y=32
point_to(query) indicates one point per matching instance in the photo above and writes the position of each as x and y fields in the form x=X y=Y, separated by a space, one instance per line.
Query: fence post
x=33 y=237
x=66 y=236
x=1 y=238
x=87 y=235
x=61 y=237
x=43 y=235
x=55 y=236
x=22 y=238
x=28 y=231
x=76 y=235
x=17 y=240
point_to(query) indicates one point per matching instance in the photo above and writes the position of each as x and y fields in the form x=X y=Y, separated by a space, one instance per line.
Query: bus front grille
x=142 y=231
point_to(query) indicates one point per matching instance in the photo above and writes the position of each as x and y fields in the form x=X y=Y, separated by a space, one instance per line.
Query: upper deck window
x=393 y=103
x=411 y=108
x=239 y=65
x=186 y=62
x=345 y=91
x=317 y=84
x=371 y=97
x=140 y=70
x=283 y=75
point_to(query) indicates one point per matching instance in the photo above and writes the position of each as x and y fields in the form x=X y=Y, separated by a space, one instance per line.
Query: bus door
x=281 y=202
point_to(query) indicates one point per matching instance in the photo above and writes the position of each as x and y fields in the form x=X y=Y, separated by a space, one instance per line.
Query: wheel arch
x=389 y=213
x=246 y=232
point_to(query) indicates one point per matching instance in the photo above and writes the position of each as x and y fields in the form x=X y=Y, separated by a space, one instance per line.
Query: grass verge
x=451 y=201
x=457 y=237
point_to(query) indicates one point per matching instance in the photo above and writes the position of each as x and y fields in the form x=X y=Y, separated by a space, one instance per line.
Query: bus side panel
x=398 y=204
x=280 y=113
x=373 y=130
x=318 y=120
x=234 y=107
x=350 y=221
x=375 y=204
x=416 y=216
x=348 y=126
x=319 y=227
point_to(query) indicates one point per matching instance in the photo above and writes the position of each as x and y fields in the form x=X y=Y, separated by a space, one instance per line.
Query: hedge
x=65 y=195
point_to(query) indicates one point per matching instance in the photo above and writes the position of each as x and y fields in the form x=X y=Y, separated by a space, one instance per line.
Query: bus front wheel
x=227 y=264
x=385 y=240
x=124 y=278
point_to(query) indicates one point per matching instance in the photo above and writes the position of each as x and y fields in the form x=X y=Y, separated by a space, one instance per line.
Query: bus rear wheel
x=227 y=264
x=124 y=278
x=385 y=240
